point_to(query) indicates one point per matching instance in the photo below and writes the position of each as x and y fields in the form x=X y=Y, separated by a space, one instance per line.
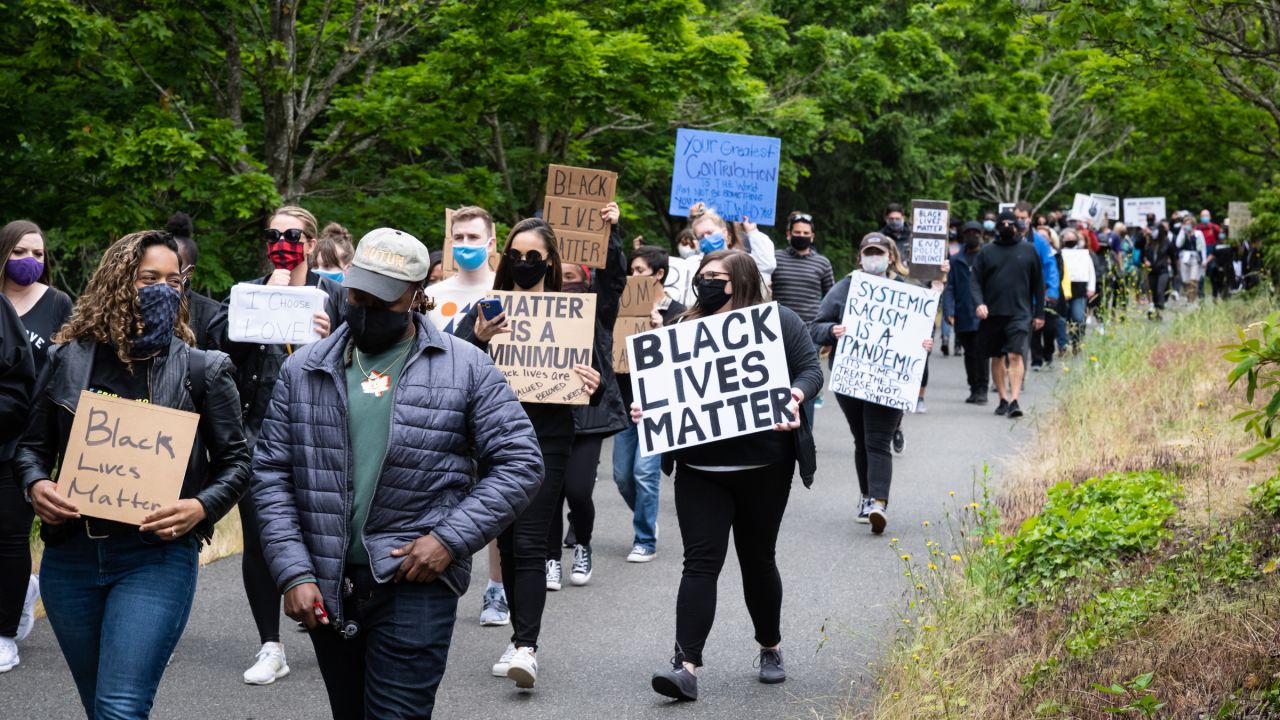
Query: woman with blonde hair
x=714 y=233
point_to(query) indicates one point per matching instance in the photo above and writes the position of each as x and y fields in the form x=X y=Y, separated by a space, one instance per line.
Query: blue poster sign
x=735 y=174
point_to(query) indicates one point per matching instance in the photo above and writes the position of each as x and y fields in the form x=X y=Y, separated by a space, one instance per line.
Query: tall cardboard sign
x=929 y=226
x=550 y=333
x=639 y=299
x=574 y=199
x=1240 y=216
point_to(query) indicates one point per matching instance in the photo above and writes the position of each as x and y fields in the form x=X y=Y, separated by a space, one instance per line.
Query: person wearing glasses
x=203 y=309
x=802 y=278
x=289 y=239
x=118 y=595
x=531 y=263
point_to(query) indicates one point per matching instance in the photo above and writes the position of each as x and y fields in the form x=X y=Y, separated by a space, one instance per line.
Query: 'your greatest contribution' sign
x=735 y=174
x=550 y=333
x=879 y=358
x=710 y=379
x=125 y=459
x=274 y=314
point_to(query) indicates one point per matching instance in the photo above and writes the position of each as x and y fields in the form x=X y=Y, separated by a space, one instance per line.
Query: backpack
x=197 y=383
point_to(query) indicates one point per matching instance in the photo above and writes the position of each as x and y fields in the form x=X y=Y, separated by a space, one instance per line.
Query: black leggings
x=872 y=426
x=1044 y=340
x=522 y=548
x=15 y=550
x=259 y=586
x=708 y=505
x=579 y=482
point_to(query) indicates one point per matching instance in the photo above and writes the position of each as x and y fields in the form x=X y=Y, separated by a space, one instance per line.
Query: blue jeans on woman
x=639 y=480
x=118 y=607
x=1079 y=307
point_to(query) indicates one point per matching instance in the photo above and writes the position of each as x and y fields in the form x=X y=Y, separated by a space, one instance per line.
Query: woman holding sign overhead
x=117 y=593
x=530 y=263
x=741 y=484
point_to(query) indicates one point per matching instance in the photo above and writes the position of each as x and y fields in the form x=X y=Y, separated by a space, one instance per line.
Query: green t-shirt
x=369 y=404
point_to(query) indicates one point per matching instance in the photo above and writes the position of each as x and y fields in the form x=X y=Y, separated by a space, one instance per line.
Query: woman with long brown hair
x=118 y=595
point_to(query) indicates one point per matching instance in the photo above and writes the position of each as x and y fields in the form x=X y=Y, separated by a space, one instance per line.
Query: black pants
x=1159 y=288
x=977 y=369
x=15 y=550
x=708 y=505
x=872 y=426
x=393 y=665
x=579 y=482
x=522 y=548
x=259 y=586
x=1044 y=340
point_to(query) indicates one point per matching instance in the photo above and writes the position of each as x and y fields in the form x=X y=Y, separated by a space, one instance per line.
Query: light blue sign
x=737 y=175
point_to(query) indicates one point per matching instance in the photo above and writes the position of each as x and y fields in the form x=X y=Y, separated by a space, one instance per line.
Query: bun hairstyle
x=179 y=225
x=333 y=247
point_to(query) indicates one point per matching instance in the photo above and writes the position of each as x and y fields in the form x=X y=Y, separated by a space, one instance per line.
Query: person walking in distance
x=802 y=278
x=389 y=455
x=741 y=485
x=1052 y=286
x=1007 y=285
x=958 y=307
x=203 y=308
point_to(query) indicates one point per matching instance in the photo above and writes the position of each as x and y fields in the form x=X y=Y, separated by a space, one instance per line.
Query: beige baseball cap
x=387 y=262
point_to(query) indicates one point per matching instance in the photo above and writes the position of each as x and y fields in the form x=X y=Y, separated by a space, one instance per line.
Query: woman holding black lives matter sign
x=530 y=263
x=118 y=595
x=872 y=425
x=739 y=484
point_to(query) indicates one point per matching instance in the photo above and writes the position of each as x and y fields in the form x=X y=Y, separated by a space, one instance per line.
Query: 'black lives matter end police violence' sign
x=710 y=379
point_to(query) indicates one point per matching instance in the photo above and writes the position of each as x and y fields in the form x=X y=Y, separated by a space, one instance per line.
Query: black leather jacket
x=218 y=471
x=609 y=416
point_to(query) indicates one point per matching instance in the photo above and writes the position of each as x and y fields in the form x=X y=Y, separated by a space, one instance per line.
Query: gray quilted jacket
x=462 y=462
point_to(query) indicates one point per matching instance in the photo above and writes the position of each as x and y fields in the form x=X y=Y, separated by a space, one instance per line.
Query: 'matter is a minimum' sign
x=550 y=333
x=710 y=379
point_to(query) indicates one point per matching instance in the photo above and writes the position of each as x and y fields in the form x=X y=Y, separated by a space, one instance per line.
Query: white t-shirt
x=453 y=300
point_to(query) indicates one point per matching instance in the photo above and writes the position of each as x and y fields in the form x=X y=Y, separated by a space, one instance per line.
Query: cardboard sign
x=125 y=459
x=879 y=358
x=735 y=174
x=575 y=197
x=1108 y=210
x=929 y=225
x=1136 y=210
x=273 y=314
x=623 y=328
x=450 y=265
x=710 y=379
x=640 y=297
x=550 y=333
x=1240 y=216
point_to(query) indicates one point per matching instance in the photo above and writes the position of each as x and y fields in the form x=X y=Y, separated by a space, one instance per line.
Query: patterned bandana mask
x=159 y=307
x=285 y=255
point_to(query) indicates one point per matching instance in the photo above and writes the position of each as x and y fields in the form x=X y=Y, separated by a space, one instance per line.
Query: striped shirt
x=801 y=281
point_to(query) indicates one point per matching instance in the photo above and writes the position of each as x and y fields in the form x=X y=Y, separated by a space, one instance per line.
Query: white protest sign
x=880 y=358
x=1002 y=207
x=274 y=314
x=1108 y=210
x=679 y=279
x=710 y=379
x=929 y=219
x=1137 y=209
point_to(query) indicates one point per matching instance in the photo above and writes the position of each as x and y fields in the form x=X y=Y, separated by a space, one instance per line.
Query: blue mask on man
x=711 y=243
x=470 y=257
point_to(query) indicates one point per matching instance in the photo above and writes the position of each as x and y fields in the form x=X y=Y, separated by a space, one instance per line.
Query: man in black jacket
x=1008 y=292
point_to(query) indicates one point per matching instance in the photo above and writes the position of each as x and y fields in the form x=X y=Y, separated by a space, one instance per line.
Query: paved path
x=600 y=643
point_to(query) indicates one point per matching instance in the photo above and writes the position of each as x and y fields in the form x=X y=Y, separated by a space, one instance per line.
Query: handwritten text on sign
x=575 y=197
x=550 y=333
x=880 y=359
x=1137 y=209
x=125 y=459
x=929 y=219
x=735 y=174
x=710 y=379
x=640 y=297
x=274 y=315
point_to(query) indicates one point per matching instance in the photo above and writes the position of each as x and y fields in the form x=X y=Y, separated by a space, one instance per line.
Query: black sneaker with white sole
x=864 y=511
x=677 y=683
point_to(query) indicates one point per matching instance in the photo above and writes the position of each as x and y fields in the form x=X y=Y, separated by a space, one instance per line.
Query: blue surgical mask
x=989 y=225
x=334 y=275
x=470 y=257
x=711 y=243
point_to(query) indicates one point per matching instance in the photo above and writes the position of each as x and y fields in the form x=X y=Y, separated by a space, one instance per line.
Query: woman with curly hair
x=118 y=595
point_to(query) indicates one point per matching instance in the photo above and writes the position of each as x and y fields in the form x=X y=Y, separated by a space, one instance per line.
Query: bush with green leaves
x=1257 y=359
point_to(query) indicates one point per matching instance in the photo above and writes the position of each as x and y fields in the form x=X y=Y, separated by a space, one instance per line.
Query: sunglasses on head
x=532 y=256
x=271 y=235
x=800 y=217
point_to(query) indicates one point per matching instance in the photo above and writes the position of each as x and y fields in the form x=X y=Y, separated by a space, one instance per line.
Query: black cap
x=973 y=225
x=1007 y=216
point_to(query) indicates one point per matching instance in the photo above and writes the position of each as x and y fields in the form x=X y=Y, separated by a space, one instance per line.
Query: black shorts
x=1001 y=335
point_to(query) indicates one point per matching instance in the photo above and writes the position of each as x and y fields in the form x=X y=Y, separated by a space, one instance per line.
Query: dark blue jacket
x=957 y=301
x=461 y=462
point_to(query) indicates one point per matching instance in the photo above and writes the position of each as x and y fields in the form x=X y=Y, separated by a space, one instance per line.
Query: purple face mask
x=24 y=271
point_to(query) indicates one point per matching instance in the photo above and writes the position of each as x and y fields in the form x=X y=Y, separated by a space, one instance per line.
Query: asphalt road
x=844 y=593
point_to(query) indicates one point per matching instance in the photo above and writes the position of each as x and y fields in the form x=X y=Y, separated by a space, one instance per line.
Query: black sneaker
x=899 y=441
x=677 y=682
x=770 y=664
x=975 y=399
x=1014 y=410
x=945 y=350
x=1003 y=407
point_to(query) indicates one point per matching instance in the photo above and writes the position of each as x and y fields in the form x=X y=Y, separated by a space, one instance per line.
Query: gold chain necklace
x=372 y=375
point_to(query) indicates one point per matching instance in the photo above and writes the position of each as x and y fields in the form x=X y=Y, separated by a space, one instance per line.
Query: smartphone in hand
x=491 y=307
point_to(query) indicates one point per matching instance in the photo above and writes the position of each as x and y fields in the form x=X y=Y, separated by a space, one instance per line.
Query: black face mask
x=972 y=242
x=711 y=294
x=800 y=242
x=527 y=273
x=375 y=330
x=1007 y=233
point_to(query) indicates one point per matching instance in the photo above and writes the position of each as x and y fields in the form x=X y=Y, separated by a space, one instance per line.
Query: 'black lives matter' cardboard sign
x=575 y=197
x=710 y=379
x=930 y=221
x=550 y=333
x=125 y=459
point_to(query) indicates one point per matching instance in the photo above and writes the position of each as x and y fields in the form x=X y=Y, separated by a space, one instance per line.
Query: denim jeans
x=392 y=667
x=639 y=480
x=118 y=607
x=1079 y=307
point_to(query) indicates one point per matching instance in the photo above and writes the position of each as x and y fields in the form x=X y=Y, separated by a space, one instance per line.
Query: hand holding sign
x=273 y=315
x=174 y=521
x=52 y=508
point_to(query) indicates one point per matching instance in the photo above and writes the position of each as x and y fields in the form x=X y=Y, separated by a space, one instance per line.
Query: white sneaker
x=28 y=619
x=877 y=516
x=504 y=663
x=553 y=575
x=864 y=511
x=270 y=667
x=641 y=554
x=920 y=407
x=523 y=668
x=580 y=573
x=8 y=654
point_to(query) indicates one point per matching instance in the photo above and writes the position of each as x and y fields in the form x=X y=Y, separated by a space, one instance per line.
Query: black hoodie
x=1007 y=278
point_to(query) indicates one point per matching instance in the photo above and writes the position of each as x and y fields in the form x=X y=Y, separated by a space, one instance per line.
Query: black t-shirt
x=43 y=321
x=111 y=377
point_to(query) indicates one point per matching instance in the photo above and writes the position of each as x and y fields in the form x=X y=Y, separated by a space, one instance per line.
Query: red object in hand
x=319 y=610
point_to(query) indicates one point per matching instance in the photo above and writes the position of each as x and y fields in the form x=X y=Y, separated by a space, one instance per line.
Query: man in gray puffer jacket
x=390 y=453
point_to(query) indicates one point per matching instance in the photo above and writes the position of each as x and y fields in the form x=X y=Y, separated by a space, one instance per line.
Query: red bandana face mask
x=285 y=255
